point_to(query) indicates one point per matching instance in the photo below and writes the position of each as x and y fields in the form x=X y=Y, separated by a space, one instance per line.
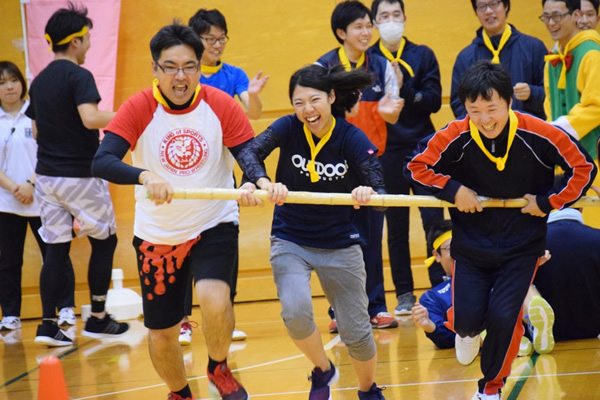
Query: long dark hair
x=347 y=85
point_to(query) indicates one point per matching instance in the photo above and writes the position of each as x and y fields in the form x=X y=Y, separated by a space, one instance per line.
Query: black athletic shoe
x=49 y=334
x=104 y=328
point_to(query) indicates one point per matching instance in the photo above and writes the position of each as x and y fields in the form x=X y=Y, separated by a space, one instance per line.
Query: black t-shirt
x=65 y=146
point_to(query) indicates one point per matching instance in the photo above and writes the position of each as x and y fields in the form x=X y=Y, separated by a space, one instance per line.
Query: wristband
x=31 y=183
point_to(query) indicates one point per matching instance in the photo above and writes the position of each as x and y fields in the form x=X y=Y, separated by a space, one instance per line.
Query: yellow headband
x=436 y=244
x=66 y=40
x=441 y=239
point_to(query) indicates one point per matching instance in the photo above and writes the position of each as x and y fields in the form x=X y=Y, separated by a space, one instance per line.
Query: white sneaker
x=10 y=323
x=12 y=337
x=238 y=335
x=525 y=347
x=185 y=333
x=541 y=322
x=467 y=348
x=66 y=316
x=481 y=396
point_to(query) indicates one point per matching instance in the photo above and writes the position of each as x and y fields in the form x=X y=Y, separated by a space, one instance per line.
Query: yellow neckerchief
x=512 y=131
x=314 y=150
x=159 y=97
x=388 y=54
x=346 y=62
x=436 y=245
x=66 y=40
x=209 y=69
x=562 y=79
x=488 y=43
x=580 y=37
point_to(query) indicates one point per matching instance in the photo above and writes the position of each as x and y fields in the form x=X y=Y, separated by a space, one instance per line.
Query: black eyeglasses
x=555 y=17
x=171 y=70
x=212 y=40
x=481 y=7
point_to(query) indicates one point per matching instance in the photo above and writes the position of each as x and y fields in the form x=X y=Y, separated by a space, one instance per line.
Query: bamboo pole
x=386 y=200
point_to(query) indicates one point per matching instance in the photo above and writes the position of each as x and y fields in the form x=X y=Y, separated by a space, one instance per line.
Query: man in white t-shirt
x=181 y=135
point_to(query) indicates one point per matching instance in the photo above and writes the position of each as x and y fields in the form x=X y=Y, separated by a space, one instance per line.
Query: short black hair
x=438 y=230
x=204 y=19
x=173 y=35
x=572 y=5
x=65 y=22
x=9 y=69
x=505 y=2
x=595 y=4
x=346 y=13
x=481 y=79
x=347 y=85
x=376 y=3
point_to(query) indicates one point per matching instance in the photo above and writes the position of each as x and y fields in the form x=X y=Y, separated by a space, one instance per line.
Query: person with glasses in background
x=572 y=73
x=19 y=206
x=211 y=26
x=430 y=313
x=421 y=90
x=181 y=134
x=522 y=56
x=589 y=14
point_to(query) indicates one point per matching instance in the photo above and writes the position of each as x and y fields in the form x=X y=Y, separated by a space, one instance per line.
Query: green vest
x=562 y=100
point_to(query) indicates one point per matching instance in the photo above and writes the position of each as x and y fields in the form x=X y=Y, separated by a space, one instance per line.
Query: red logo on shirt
x=183 y=151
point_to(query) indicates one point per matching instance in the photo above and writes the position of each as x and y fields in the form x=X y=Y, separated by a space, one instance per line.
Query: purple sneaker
x=321 y=382
x=373 y=394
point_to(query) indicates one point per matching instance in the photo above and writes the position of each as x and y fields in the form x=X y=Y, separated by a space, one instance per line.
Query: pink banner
x=101 y=59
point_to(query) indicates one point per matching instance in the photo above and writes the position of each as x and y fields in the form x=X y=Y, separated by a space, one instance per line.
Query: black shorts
x=165 y=271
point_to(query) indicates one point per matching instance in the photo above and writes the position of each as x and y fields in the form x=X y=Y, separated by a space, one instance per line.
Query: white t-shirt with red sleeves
x=188 y=148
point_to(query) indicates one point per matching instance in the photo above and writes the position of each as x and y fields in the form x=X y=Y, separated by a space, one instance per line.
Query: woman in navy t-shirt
x=321 y=152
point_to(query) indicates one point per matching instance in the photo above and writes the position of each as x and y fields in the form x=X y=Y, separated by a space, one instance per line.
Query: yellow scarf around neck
x=488 y=43
x=562 y=79
x=512 y=131
x=156 y=93
x=314 y=150
x=388 y=54
x=211 y=70
x=345 y=61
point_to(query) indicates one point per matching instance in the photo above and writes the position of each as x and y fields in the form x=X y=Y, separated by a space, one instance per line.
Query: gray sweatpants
x=342 y=276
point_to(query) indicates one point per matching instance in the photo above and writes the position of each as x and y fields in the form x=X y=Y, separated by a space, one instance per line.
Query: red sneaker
x=227 y=386
x=383 y=320
x=333 y=326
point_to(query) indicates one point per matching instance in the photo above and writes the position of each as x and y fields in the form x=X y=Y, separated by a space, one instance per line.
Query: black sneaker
x=49 y=334
x=103 y=328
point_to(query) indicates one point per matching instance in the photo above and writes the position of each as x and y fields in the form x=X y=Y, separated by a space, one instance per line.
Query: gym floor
x=271 y=367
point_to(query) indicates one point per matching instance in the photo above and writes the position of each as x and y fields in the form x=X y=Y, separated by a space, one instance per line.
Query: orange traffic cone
x=52 y=384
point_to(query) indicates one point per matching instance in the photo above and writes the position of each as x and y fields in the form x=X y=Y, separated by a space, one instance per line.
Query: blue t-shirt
x=337 y=163
x=232 y=80
x=437 y=301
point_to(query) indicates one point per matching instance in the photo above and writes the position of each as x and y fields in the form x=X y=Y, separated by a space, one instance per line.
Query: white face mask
x=391 y=32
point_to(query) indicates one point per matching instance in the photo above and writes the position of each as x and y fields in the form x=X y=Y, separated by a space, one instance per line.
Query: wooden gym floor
x=270 y=367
